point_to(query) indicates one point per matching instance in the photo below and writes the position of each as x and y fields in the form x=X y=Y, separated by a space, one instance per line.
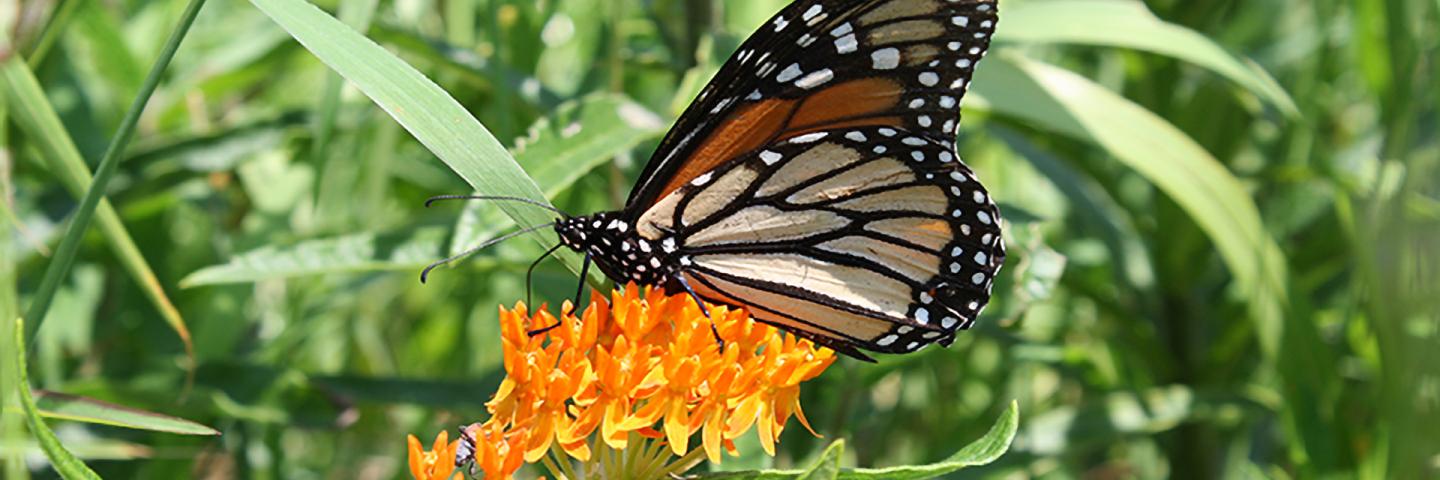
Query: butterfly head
x=613 y=244
x=588 y=233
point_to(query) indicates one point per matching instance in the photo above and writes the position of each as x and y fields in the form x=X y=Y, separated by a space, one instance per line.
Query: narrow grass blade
x=70 y=243
x=418 y=104
x=1129 y=24
x=1059 y=100
x=64 y=462
x=37 y=119
x=89 y=410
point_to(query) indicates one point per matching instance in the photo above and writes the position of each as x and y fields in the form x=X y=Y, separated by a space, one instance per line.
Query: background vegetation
x=1224 y=222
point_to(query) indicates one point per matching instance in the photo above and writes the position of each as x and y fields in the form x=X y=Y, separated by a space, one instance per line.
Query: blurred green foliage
x=1224 y=219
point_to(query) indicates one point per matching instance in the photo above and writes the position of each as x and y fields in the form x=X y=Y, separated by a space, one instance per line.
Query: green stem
x=554 y=469
x=563 y=461
x=64 y=9
x=633 y=448
x=70 y=243
x=653 y=460
x=682 y=465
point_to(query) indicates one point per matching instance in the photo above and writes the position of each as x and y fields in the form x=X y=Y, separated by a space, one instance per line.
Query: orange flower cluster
x=640 y=366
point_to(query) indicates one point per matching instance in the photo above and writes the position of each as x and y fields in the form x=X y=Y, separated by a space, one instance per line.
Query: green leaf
x=1057 y=99
x=360 y=252
x=419 y=105
x=980 y=452
x=89 y=410
x=828 y=466
x=562 y=148
x=65 y=463
x=1128 y=24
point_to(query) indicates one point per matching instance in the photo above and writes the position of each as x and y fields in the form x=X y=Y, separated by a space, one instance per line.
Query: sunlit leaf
x=1128 y=24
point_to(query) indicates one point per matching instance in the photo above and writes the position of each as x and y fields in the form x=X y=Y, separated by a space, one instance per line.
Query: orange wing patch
x=843 y=105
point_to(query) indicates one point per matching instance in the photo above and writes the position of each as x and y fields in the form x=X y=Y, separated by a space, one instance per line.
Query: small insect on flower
x=642 y=373
x=436 y=464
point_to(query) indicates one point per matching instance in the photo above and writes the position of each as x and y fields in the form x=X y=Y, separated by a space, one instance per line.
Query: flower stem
x=565 y=467
x=685 y=463
x=654 y=467
x=553 y=468
x=635 y=445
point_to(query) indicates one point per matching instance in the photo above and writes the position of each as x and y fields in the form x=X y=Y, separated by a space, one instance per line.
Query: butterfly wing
x=860 y=238
x=826 y=64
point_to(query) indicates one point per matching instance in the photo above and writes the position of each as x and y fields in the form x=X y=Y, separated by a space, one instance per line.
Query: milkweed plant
x=621 y=389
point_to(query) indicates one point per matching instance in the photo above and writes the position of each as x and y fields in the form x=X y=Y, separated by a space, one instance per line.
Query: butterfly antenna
x=425 y=274
x=526 y=201
x=529 y=272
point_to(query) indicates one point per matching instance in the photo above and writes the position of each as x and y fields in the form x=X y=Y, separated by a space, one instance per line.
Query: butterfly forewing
x=826 y=64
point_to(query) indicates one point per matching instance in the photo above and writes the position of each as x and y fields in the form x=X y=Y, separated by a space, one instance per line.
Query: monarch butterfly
x=815 y=181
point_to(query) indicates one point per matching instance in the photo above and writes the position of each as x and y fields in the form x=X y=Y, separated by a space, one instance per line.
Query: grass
x=1224 y=219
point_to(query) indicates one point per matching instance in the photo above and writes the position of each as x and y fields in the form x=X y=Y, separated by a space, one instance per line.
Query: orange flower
x=436 y=464
x=642 y=367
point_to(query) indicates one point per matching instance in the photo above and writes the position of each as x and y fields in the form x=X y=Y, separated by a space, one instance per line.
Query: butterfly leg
x=679 y=278
x=530 y=272
x=579 y=289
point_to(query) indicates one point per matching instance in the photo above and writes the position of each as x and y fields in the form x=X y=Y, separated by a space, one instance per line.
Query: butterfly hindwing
x=873 y=237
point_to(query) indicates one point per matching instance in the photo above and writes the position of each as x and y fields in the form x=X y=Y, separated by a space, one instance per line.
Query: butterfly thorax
x=614 y=246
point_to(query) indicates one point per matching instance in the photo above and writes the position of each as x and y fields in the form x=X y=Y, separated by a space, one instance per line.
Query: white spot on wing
x=885 y=58
x=809 y=137
x=929 y=79
x=789 y=73
x=815 y=79
x=847 y=44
